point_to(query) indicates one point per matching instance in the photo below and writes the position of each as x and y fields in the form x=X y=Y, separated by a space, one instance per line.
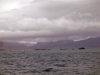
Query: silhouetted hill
x=62 y=44
x=88 y=43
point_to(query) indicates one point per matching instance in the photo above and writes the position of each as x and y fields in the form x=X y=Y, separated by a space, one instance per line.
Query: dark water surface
x=54 y=62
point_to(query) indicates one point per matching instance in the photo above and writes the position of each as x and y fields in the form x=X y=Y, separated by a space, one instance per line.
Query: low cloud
x=43 y=27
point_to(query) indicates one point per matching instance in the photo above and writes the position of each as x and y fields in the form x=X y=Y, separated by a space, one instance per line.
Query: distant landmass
x=62 y=44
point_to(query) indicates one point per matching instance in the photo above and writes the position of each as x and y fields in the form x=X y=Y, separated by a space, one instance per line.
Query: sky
x=33 y=21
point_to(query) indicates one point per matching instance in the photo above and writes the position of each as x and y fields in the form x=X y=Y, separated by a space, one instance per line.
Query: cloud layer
x=49 y=20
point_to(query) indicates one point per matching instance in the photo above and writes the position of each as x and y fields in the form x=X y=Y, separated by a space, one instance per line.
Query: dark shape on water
x=63 y=49
x=41 y=49
x=81 y=48
x=48 y=70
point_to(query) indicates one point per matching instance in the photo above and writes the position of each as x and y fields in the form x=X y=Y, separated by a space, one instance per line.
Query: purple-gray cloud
x=49 y=20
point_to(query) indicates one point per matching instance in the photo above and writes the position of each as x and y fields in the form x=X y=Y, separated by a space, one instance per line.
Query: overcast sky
x=49 y=20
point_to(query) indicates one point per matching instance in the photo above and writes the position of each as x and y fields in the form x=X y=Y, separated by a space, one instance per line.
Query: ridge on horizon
x=62 y=44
